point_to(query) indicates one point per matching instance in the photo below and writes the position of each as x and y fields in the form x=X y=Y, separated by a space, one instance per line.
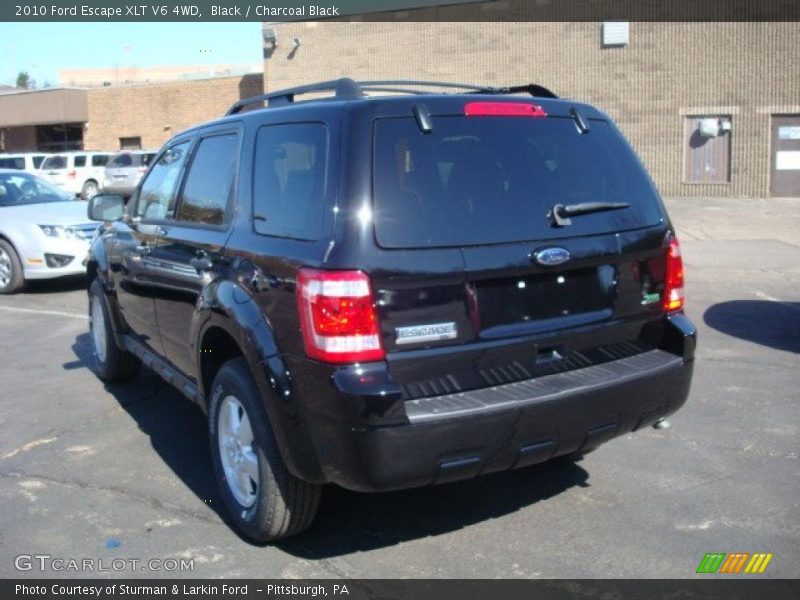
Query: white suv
x=79 y=173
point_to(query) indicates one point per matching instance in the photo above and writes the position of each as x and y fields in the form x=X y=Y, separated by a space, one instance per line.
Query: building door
x=785 y=175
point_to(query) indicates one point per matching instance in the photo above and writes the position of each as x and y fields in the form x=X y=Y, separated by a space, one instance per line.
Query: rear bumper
x=482 y=437
x=109 y=187
x=458 y=436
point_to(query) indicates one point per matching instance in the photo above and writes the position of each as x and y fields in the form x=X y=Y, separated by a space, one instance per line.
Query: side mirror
x=106 y=207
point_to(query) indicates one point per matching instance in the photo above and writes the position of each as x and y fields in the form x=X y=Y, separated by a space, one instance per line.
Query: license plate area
x=533 y=297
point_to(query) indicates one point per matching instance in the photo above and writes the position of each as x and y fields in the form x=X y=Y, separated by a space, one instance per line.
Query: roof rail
x=403 y=83
x=347 y=89
x=343 y=88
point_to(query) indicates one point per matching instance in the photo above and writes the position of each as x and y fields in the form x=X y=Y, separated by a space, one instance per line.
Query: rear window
x=490 y=180
x=55 y=162
x=121 y=160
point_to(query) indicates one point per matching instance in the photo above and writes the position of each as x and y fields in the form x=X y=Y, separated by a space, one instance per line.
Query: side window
x=80 y=161
x=289 y=180
x=99 y=160
x=159 y=188
x=210 y=180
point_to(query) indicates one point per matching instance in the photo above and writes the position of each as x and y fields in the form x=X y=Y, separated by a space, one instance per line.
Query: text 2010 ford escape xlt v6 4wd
x=384 y=290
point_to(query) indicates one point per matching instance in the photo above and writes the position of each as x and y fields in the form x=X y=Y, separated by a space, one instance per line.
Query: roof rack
x=344 y=88
x=347 y=89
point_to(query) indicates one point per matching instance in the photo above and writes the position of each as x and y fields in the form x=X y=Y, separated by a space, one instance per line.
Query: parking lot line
x=769 y=298
x=52 y=313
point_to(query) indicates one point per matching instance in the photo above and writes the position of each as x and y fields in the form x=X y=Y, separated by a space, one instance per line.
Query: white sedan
x=44 y=232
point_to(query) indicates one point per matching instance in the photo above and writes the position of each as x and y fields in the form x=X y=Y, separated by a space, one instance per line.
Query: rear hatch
x=524 y=292
x=55 y=169
x=125 y=170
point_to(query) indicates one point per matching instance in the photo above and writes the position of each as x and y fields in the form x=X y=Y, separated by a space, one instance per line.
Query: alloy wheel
x=6 y=268
x=237 y=451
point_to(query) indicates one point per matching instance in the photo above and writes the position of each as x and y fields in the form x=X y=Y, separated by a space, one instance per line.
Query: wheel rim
x=237 y=451
x=90 y=190
x=98 y=324
x=6 y=268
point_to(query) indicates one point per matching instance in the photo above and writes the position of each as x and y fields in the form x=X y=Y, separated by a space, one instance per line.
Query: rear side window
x=490 y=180
x=99 y=160
x=209 y=183
x=289 y=180
x=37 y=161
x=80 y=161
x=146 y=158
x=55 y=162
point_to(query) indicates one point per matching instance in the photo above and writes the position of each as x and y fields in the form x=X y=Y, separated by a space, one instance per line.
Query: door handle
x=202 y=264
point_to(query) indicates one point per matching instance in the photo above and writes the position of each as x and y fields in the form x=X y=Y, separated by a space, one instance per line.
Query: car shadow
x=55 y=286
x=347 y=522
x=175 y=426
x=772 y=324
x=350 y=522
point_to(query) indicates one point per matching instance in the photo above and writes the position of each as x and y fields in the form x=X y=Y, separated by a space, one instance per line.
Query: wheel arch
x=231 y=324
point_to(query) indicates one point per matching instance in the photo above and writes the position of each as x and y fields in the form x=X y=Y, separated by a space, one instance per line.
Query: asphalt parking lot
x=89 y=471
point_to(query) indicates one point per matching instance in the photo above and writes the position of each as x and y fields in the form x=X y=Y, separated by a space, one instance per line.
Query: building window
x=130 y=143
x=707 y=155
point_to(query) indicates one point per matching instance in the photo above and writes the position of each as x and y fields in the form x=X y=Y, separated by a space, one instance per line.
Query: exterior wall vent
x=616 y=33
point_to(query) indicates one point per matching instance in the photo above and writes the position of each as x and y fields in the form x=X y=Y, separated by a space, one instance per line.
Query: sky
x=42 y=49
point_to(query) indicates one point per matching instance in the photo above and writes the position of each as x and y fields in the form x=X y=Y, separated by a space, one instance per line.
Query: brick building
x=155 y=112
x=115 y=117
x=662 y=82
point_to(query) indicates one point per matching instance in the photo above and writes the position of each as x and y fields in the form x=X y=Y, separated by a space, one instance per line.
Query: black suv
x=383 y=289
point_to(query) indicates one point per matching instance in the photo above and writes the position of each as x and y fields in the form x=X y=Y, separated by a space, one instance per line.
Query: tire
x=90 y=189
x=12 y=278
x=278 y=504
x=111 y=364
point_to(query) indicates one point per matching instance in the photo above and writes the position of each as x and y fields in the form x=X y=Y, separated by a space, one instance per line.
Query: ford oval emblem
x=550 y=257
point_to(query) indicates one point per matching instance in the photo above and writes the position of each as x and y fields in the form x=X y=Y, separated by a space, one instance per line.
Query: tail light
x=141 y=170
x=71 y=175
x=338 y=317
x=503 y=109
x=673 y=280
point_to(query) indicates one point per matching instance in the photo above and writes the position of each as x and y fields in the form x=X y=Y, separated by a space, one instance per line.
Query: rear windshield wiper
x=560 y=213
